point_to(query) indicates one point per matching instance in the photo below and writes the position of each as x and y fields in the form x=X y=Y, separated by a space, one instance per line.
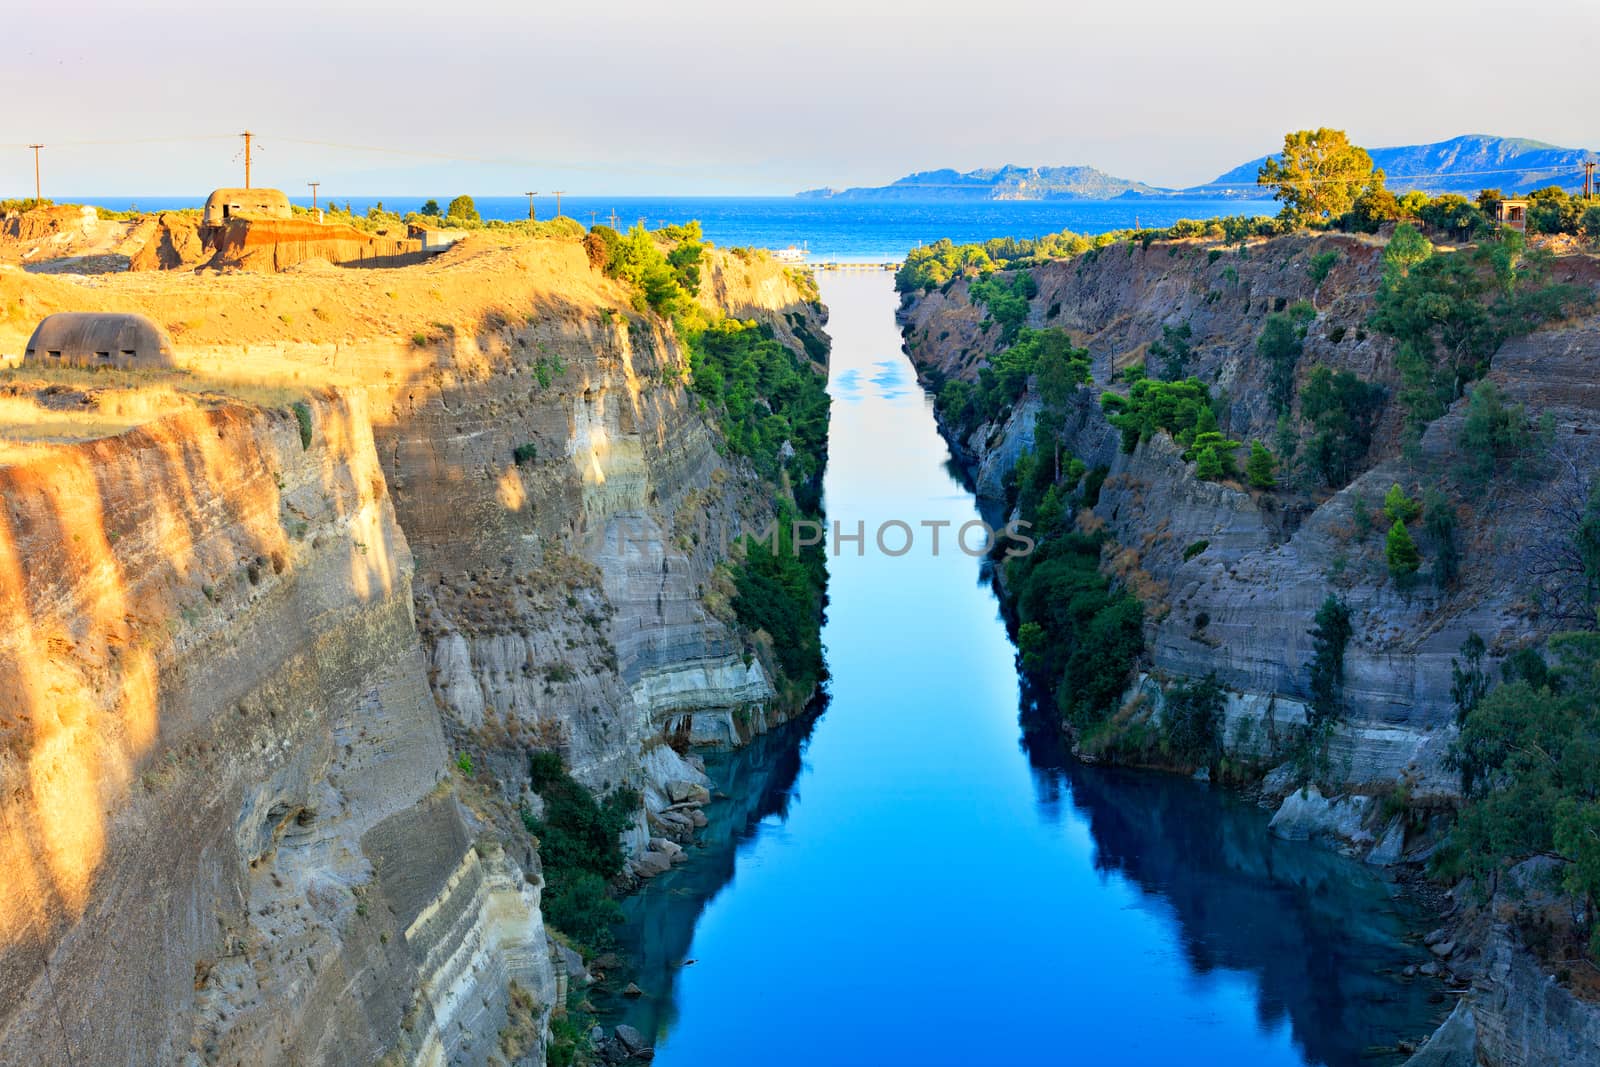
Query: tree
x=1260 y=469
x=1319 y=174
x=1174 y=350
x=431 y=208
x=1329 y=636
x=1405 y=250
x=1529 y=756
x=1279 y=346
x=1341 y=409
x=463 y=208
x=1468 y=682
x=1400 y=552
x=1439 y=516
x=1399 y=507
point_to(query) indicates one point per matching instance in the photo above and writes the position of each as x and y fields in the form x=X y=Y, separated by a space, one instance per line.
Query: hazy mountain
x=1003 y=183
x=1461 y=164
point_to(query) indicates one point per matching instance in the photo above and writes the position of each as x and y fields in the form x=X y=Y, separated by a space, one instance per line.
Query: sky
x=722 y=97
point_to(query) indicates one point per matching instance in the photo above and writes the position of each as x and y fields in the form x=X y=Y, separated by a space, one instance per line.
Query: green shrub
x=302 y=415
x=579 y=850
x=1194 y=548
x=1006 y=300
x=1342 y=410
x=525 y=454
x=1191 y=721
x=1260 y=470
x=1321 y=265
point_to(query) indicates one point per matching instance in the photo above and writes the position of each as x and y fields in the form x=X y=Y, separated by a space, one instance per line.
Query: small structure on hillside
x=1513 y=215
x=92 y=339
x=435 y=238
x=225 y=204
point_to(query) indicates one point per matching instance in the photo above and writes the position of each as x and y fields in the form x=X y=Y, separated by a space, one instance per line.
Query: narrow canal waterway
x=915 y=881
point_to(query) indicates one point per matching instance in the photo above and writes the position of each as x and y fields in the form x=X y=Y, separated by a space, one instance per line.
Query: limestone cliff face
x=229 y=835
x=569 y=505
x=236 y=673
x=1261 y=564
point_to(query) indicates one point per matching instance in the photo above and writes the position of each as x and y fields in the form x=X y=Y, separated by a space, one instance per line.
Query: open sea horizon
x=830 y=230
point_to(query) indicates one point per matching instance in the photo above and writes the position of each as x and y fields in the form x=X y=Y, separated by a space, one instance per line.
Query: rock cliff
x=1231 y=577
x=251 y=652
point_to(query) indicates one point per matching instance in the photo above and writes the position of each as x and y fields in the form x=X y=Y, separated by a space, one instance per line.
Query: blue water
x=919 y=880
x=831 y=229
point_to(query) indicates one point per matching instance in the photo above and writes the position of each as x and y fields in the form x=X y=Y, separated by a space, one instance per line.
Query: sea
x=829 y=230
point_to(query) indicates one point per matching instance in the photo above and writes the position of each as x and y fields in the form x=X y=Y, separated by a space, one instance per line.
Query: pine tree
x=1260 y=469
x=1399 y=507
x=1401 y=552
x=1208 y=465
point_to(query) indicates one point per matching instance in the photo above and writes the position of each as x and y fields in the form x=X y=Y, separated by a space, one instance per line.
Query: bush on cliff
x=1330 y=635
x=1529 y=755
x=779 y=592
x=1342 y=410
x=1449 y=312
x=1191 y=721
x=1006 y=300
x=579 y=850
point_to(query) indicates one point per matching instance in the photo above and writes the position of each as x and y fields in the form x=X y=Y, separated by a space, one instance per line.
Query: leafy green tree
x=1370 y=210
x=1400 y=552
x=1494 y=436
x=1468 y=682
x=1439 y=518
x=1405 y=250
x=1399 y=507
x=1213 y=456
x=1179 y=408
x=1279 y=346
x=430 y=208
x=1330 y=635
x=462 y=207
x=1260 y=470
x=1006 y=299
x=1173 y=350
x=1341 y=409
x=1529 y=756
x=1319 y=174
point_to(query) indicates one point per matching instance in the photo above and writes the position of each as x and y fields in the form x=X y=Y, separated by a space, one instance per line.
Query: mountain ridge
x=1461 y=164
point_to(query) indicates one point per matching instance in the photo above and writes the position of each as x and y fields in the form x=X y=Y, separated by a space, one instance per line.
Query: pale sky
x=721 y=97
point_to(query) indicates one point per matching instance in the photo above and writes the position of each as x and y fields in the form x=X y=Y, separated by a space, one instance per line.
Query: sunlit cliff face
x=113 y=554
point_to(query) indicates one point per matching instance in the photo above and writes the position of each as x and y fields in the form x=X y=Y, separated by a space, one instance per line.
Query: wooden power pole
x=37 y=195
x=1588 y=179
x=313 y=194
x=532 y=215
x=247 y=135
x=558 y=193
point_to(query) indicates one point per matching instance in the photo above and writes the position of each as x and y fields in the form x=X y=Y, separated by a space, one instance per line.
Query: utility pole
x=247 y=135
x=614 y=219
x=1588 y=178
x=591 y=220
x=558 y=193
x=531 y=213
x=37 y=195
x=313 y=194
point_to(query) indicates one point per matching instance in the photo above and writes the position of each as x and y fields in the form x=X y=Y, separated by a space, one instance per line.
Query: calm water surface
x=913 y=881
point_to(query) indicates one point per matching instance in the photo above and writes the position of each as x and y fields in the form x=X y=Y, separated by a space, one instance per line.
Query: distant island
x=1461 y=164
x=997 y=183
